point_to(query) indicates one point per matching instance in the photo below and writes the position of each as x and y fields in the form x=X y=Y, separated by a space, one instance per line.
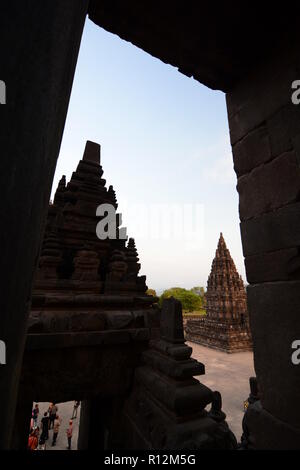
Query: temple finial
x=92 y=152
x=132 y=257
x=62 y=182
x=59 y=193
x=112 y=195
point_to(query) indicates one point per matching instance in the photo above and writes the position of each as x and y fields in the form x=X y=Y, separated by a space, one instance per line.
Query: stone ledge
x=71 y=340
x=183 y=369
x=89 y=299
x=179 y=397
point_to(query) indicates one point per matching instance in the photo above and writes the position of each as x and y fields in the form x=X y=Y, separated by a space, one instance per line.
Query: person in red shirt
x=33 y=441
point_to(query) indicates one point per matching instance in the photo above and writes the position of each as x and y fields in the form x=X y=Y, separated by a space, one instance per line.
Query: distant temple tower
x=226 y=325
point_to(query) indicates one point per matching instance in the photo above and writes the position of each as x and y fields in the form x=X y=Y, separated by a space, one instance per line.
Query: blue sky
x=164 y=140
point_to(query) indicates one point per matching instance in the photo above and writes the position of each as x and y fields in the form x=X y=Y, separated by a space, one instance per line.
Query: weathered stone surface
x=253 y=102
x=272 y=231
x=226 y=325
x=73 y=339
x=274 y=317
x=82 y=370
x=263 y=431
x=216 y=412
x=251 y=151
x=165 y=396
x=51 y=321
x=262 y=190
x=223 y=335
x=92 y=152
x=280 y=265
x=166 y=365
x=270 y=228
x=282 y=128
x=118 y=320
x=171 y=321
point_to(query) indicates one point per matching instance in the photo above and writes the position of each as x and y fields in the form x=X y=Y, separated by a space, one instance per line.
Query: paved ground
x=229 y=374
x=65 y=411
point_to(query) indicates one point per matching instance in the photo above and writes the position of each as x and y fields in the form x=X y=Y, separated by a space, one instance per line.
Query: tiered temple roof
x=74 y=261
x=226 y=295
x=226 y=324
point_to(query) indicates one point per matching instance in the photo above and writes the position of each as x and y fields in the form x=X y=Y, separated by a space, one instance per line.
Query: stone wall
x=225 y=336
x=265 y=138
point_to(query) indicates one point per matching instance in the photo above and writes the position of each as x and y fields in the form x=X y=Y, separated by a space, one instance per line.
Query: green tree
x=151 y=292
x=189 y=300
x=201 y=292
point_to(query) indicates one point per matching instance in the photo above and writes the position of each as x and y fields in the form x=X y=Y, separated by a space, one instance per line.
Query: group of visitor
x=51 y=420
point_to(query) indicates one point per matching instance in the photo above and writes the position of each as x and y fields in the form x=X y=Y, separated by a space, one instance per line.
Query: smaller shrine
x=226 y=324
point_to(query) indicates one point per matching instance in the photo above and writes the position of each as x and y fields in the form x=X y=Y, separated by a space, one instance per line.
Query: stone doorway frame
x=265 y=137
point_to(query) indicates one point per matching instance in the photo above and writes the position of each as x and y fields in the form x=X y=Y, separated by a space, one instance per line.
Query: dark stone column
x=265 y=137
x=21 y=429
x=92 y=428
x=101 y=424
x=39 y=49
x=84 y=425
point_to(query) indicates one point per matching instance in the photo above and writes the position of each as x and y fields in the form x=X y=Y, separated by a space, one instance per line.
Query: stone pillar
x=265 y=137
x=84 y=425
x=99 y=424
x=40 y=43
x=21 y=429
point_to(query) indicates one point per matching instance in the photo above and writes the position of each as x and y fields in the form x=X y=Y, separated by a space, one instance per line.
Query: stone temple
x=219 y=48
x=94 y=335
x=226 y=325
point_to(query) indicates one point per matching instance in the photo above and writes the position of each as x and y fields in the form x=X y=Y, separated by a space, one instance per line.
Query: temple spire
x=112 y=195
x=132 y=257
x=226 y=323
x=61 y=187
x=92 y=152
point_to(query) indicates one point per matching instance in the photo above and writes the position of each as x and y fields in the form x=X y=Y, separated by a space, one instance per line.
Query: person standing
x=35 y=415
x=52 y=414
x=75 y=409
x=70 y=433
x=56 y=426
x=45 y=426
x=33 y=441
